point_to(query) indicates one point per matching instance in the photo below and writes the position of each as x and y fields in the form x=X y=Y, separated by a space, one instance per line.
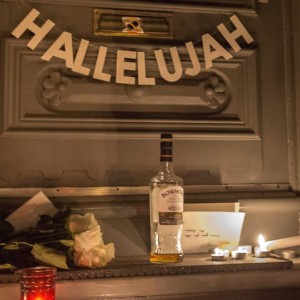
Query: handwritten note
x=228 y=206
x=205 y=231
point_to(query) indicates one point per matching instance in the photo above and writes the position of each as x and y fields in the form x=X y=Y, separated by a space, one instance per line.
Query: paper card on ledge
x=205 y=231
x=28 y=214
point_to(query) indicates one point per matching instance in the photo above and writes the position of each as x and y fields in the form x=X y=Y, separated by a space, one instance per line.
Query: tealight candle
x=220 y=255
x=240 y=253
x=261 y=251
x=247 y=248
x=288 y=254
x=37 y=283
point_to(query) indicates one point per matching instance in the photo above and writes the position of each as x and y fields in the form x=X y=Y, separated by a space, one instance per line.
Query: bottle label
x=170 y=205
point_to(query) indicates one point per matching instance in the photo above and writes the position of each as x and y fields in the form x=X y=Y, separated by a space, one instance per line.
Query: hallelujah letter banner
x=126 y=60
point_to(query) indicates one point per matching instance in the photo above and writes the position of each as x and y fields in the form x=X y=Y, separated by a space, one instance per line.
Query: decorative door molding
x=246 y=7
x=45 y=96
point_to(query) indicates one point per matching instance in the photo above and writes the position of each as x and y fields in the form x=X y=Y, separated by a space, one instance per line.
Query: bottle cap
x=166 y=140
x=166 y=147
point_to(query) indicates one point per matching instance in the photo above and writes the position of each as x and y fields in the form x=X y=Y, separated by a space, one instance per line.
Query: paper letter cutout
x=39 y=32
x=194 y=59
x=209 y=41
x=142 y=79
x=78 y=67
x=162 y=66
x=123 y=65
x=98 y=72
x=233 y=36
x=65 y=39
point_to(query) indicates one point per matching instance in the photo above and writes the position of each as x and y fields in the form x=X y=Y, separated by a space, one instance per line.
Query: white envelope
x=205 y=231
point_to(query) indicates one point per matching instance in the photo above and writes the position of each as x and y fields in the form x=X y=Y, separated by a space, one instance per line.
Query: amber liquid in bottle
x=166 y=207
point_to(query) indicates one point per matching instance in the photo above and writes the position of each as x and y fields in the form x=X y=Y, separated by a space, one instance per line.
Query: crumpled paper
x=89 y=248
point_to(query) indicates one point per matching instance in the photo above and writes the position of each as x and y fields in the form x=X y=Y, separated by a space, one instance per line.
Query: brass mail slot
x=132 y=23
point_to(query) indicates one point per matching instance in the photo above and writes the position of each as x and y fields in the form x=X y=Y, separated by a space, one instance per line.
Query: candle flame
x=261 y=242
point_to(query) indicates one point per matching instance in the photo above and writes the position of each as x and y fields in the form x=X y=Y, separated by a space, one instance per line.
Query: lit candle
x=283 y=243
x=261 y=251
x=220 y=255
x=37 y=283
x=240 y=253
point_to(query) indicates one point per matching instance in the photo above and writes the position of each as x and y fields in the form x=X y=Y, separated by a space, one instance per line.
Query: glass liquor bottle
x=166 y=208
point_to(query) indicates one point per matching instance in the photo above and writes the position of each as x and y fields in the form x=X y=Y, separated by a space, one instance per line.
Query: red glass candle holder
x=37 y=283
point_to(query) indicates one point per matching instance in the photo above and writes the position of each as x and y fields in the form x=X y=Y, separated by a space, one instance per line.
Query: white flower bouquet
x=89 y=248
x=39 y=234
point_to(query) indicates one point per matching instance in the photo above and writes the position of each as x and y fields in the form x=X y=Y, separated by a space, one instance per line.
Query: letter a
x=208 y=42
x=65 y=39
x=27 y=23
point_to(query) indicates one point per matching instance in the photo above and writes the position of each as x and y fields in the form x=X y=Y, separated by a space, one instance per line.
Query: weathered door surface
x=63 y=128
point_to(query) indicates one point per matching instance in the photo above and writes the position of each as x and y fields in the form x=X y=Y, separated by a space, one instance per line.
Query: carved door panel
x=60 y=128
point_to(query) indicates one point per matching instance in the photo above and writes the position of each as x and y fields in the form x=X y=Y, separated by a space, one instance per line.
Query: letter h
x=28 y=23
x=233 y=36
